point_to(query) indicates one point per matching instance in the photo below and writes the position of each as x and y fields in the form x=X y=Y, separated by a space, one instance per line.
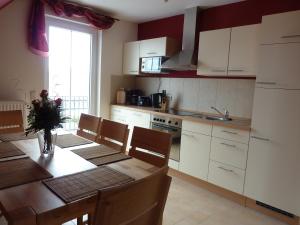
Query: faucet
x=225 y=115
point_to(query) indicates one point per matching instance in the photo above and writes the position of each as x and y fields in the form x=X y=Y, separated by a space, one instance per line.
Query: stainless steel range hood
x=187 y=58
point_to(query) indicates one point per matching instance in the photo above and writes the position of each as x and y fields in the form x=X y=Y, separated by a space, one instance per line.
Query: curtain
x=4 y=3
x=37 y=30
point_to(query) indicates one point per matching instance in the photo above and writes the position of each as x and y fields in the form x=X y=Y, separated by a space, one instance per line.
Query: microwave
x=152 y=64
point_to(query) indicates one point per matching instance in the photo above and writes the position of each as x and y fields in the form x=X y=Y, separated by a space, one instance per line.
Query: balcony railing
x=73 y=107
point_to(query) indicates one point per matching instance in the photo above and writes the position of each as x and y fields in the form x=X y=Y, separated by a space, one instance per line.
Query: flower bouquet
x=44 y=117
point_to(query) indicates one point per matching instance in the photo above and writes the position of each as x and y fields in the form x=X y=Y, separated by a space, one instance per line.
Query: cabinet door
x=153 y=47
x=243 y=51
x=131 y=58
x=139 y=119
x=279 y=66
x=273 y=164
x=213 y=52
x=194 y=154
x=281 y=28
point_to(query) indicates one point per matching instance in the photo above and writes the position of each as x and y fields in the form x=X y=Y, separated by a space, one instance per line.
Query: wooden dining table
x=34 y=204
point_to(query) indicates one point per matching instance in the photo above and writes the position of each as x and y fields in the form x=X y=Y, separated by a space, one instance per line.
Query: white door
x=194 y=154
x=72 y=67
x=213 y=52
x=243 y=51
x=272 y=174
x=279 y=66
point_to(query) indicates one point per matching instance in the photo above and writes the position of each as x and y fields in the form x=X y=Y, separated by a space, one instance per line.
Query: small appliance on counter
x=144 y=101
x=156 y=100
x=132 y=96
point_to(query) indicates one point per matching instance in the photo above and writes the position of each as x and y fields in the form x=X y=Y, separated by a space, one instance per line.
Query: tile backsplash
x=200 y=94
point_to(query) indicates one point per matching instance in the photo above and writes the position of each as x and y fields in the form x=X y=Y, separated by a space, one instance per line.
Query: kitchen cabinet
x=213 y=52
x=279 y=66
x=194 y=153
x=226 y=176
x=131 y=58
x=229 y=52
x=164 y=46
x=243 y=51
x=232 y=134
x=272 y=174
x=281 y=28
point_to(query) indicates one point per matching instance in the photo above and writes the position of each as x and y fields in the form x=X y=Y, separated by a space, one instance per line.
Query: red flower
x=44 y=94
x=58 y=101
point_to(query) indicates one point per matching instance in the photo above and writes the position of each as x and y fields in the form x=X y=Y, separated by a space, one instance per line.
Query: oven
x=173 y=127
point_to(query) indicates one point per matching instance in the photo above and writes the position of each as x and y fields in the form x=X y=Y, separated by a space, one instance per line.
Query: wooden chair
x=114 y=135
x=156 y=143
x=88 y=126
x=11 y=121
x=138 y=203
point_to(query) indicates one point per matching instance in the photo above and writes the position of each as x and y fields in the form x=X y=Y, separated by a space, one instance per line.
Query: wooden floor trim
x=240 y=199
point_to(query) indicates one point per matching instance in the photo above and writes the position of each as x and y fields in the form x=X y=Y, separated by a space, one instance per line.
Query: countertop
x=235 y=123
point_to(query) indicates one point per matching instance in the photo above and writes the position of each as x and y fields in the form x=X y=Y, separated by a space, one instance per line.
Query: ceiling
x=139 y=11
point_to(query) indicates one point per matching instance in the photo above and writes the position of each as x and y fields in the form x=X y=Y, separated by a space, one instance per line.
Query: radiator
x=15 y=105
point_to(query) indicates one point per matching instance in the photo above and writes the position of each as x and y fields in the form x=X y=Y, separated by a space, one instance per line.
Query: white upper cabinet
x=229 y=52
x=279 y=66
x=213 y=52
x=131 y=58
x=163 y=46
x=273 y=166
x=243 y=51
x=281 y=28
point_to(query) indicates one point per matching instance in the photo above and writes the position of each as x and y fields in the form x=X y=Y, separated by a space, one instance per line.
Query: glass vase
x=47 y=141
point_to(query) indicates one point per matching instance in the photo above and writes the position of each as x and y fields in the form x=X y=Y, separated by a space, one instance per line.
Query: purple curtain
x=37 y=31
x=4 y=3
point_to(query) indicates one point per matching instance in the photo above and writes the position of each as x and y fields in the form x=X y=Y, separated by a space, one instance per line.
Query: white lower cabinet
x=226 y=176
x=194 y=154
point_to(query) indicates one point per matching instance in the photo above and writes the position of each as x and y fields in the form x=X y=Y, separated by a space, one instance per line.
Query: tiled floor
x=190 y=205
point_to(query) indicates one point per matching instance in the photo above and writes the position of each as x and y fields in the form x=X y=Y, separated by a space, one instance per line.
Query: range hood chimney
x=187 y=58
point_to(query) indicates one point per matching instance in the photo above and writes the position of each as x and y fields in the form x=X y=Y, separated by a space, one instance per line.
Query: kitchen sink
x=206 y=117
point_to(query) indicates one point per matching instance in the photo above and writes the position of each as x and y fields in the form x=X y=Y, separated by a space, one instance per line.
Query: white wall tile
x=200 y=94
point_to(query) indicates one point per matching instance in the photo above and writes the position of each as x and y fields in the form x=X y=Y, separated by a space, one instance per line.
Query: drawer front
x=225 y=176
x=118 y=118
x=231 y=134
x=229 y=152
x=139 y=119
x=200 y=128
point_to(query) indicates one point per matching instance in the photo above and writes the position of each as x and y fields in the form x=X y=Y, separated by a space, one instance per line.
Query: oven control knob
x=176 y=123
x=170 y=122
x=164 y=120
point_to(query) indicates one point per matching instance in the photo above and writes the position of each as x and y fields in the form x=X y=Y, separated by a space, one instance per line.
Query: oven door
x=176 y=139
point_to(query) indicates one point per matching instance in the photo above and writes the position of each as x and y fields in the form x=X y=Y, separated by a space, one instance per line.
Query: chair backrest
x=138 y=203
x=88 y=126
x=156 y=143
x=11 y=121
x=114 y=135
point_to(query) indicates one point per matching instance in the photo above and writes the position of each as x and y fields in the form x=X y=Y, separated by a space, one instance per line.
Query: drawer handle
x=291 y=36
x=133 y=71
x=260 y=138
x=218 y=70
x=229 y=132
x=236 y=70
x=152 y=53
x=266 y=83
x=227 y=170
x=189 y=135
x=229 y=145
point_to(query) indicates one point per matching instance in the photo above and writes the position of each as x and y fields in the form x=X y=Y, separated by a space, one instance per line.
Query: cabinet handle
x=227 y=170
x=151 y=53
x=266 y=83
x=260 y=138
x=133 y=71
x=217 y=70
x=188 y=135
x=236 y=70
x=228 y=145
x=229 y=132
x=291 y=36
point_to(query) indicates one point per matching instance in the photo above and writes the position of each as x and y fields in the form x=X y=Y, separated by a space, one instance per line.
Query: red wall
x=231 y=15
